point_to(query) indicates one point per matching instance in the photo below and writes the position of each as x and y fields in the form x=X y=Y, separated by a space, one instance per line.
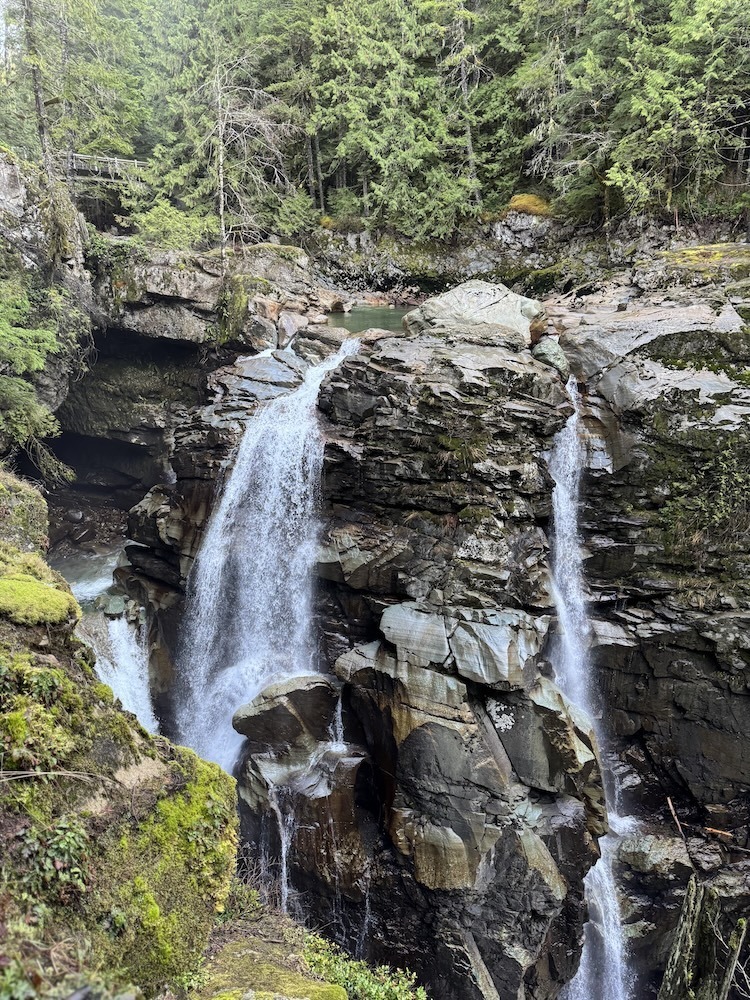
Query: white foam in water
x=125 y=668
x=603 y=973
x=88 y=573
x=248 y=617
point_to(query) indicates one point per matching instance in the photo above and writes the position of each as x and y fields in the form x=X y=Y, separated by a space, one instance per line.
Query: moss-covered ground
x=259 y=953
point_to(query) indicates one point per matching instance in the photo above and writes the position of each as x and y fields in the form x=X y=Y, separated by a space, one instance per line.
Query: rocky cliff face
x=666 y=531
x=451 y=825
x=436 y=572
x=462 y=815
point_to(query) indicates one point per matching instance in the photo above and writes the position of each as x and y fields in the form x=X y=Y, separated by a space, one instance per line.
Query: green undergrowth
x=41 y=323
x=261 y=953
x=361 y=981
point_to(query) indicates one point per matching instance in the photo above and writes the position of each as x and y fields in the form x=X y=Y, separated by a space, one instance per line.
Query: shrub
x=296 y=214
x=360 y=981
x=166 y=226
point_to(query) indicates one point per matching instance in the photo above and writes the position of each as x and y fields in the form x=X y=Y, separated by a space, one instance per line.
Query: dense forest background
x=408 y=116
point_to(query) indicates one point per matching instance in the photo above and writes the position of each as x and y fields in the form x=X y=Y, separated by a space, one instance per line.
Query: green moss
x=530 y=204
x=463 y=451
x=239 y=968
x=710 y=262
x=161 y=880
x=31 y=593
x=474 y=515
x=238 y=291
x=26 y=601
x=708 y=481
x=290 y=253
x=31 y=737
x=23 y=514
x=103 y=692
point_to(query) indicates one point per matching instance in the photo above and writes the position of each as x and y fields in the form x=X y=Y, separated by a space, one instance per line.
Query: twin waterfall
x=603 y=973
x=249 y=607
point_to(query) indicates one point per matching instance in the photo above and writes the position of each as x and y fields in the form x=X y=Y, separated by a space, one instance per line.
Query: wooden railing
x=113 y=169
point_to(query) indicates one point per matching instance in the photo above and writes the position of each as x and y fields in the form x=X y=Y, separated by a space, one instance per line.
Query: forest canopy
x=406 y=116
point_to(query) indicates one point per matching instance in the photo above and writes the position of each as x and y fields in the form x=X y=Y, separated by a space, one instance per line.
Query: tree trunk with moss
x=701 y=965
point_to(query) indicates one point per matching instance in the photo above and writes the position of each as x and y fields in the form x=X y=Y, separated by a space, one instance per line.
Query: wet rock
x=550 y=353
x=285 y=712
x=654 y=870
x=289 y=326
x=114 y=607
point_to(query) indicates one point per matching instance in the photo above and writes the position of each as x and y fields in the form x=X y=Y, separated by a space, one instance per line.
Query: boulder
x=549 y=352
x=285 y=712
x=492 y=313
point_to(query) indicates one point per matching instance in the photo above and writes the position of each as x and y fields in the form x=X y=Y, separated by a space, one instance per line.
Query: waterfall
x=121 y=651
x=249 y=607
x=284 y=813
x=120 y=648
x=364 y=932
x=603 y=973
x=126 y=670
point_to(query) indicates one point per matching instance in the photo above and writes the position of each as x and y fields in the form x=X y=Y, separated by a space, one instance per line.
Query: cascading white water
x=364 y=932
x=286 y=824
x=124 y=667
x=249 y=609
x=603 y=973
x=120 y=648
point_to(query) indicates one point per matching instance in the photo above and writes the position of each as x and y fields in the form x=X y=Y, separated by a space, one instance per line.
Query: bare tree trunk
x=469 y=139
x=734 y=948
x=319 y=171
x=310 y=169
x=365 y=193
x=220 y=153
x=36 y=83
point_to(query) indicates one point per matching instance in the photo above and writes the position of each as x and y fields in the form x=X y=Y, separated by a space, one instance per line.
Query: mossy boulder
x=23 y=514
x=31 y=593
x=260 y=954
x=244 y=967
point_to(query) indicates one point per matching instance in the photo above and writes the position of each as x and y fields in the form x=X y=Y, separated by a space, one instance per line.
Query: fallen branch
x=674 y=817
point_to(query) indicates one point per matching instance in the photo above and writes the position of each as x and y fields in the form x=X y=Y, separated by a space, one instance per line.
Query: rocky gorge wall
x=467 y=805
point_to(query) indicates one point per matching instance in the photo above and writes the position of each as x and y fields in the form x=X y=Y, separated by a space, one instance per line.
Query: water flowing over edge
x=120 y=647
x=249 y=611
x=603 y=973
x=125 y=669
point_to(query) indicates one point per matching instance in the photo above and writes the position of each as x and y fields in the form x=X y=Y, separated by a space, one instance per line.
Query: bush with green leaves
x=164 y=225
x=361 y=981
